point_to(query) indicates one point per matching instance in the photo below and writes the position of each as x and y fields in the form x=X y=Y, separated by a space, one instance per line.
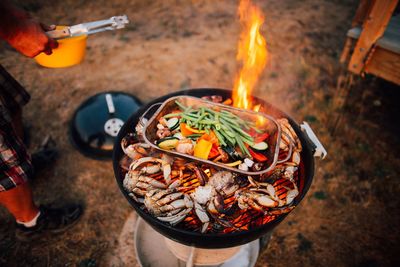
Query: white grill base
x=154 y=250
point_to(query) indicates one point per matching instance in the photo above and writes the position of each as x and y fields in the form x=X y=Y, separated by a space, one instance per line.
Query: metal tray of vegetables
x=219 y=135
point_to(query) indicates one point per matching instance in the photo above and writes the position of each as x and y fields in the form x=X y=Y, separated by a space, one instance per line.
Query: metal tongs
x=113 y=23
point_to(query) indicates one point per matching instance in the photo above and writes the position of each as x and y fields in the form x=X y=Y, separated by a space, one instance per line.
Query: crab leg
x=152 y=169
x=202 y=215
x=175 y=184
x=169 y=198
x=158 y=194
x=166 y=172
x=177 y=218
x=138 y=191
x=151 y=181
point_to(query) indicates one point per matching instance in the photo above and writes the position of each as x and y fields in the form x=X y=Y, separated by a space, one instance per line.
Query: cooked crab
x=168 y=205
x=138 y=182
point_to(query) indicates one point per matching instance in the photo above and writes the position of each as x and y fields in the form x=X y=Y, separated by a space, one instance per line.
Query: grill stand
x=152 y=249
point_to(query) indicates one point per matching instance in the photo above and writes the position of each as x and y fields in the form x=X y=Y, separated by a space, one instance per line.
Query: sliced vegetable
x=260 y=146
x=214 y=152
x=233 y=164
x=194 y=130
x=194 y=136
x=202 y=149
x=257 y=156
x=184 y=130
x=179 y=135
x=211 y=137
x=168 y=143
x=260 y=137
x=173 y=123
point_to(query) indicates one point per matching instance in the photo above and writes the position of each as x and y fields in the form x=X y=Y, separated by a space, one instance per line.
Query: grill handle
x=319 y=149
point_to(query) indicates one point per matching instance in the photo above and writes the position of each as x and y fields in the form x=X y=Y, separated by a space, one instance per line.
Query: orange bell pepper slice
x=184 y=130
x=211 y=137
x=202 y=149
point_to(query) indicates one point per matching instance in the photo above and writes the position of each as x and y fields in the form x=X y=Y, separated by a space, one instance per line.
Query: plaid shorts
x=15 y=163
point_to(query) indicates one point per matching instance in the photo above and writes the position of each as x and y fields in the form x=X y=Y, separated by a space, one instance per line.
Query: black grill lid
x=96 y=123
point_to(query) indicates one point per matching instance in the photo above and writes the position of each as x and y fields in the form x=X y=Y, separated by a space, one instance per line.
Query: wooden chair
x=373 y=42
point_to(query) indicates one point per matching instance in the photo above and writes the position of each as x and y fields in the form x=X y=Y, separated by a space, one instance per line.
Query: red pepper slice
x=214 y=152
x=261 y=137
x=252 y=132
x=257 y=156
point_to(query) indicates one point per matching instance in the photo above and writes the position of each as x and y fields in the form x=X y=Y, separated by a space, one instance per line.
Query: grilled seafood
x=132 y=148
x=185 y=146
x=261 y=195
x=161 y=183
x=209 y=199
x=168 y=205
x=137 y=182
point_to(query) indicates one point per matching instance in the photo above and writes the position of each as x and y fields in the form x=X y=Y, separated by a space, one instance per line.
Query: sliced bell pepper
x=214 y=152
x=260 y=137
x=184 y=130
x=257 y=156
x=193 y=130
x=202 y=149
x=211 y=137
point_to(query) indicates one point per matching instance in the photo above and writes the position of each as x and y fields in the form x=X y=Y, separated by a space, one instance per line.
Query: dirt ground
x=350 y=216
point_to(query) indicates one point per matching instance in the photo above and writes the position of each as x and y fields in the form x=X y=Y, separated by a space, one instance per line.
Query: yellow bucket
x=70 y=51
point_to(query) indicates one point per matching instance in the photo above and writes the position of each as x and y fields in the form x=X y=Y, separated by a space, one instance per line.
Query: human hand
x=30 y=38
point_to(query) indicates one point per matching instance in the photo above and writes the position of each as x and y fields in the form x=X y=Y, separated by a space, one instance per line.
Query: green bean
x=181 y=106
x=207 y=122
x=257 y=130
x=227 y=130
x=242 y=146
x=188 y=118
x=220 y=138
x=200 y=118
x=230 y=121
x=171 y=115
x=242 y=132
x=228 y=113
x=193 y=114
x=250 y=143
x=211 y=111
x=230 y=139
x=251 y=140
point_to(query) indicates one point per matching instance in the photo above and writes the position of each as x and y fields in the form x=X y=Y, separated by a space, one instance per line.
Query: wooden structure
x=373 y=42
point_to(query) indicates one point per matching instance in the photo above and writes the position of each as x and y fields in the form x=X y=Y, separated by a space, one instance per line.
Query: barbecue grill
x=311 y=147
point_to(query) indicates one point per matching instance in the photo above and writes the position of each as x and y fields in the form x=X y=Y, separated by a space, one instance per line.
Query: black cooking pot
x=212 y=240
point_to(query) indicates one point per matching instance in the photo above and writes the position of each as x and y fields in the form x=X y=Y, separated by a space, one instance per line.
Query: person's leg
x=19 y=202
x=17 y=123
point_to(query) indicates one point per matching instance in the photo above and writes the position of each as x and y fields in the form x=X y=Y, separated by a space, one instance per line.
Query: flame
x=252 y=52
x=260 y=119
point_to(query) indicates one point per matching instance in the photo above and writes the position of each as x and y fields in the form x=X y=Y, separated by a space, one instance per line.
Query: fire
x=260 y=120
x=252 y=53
